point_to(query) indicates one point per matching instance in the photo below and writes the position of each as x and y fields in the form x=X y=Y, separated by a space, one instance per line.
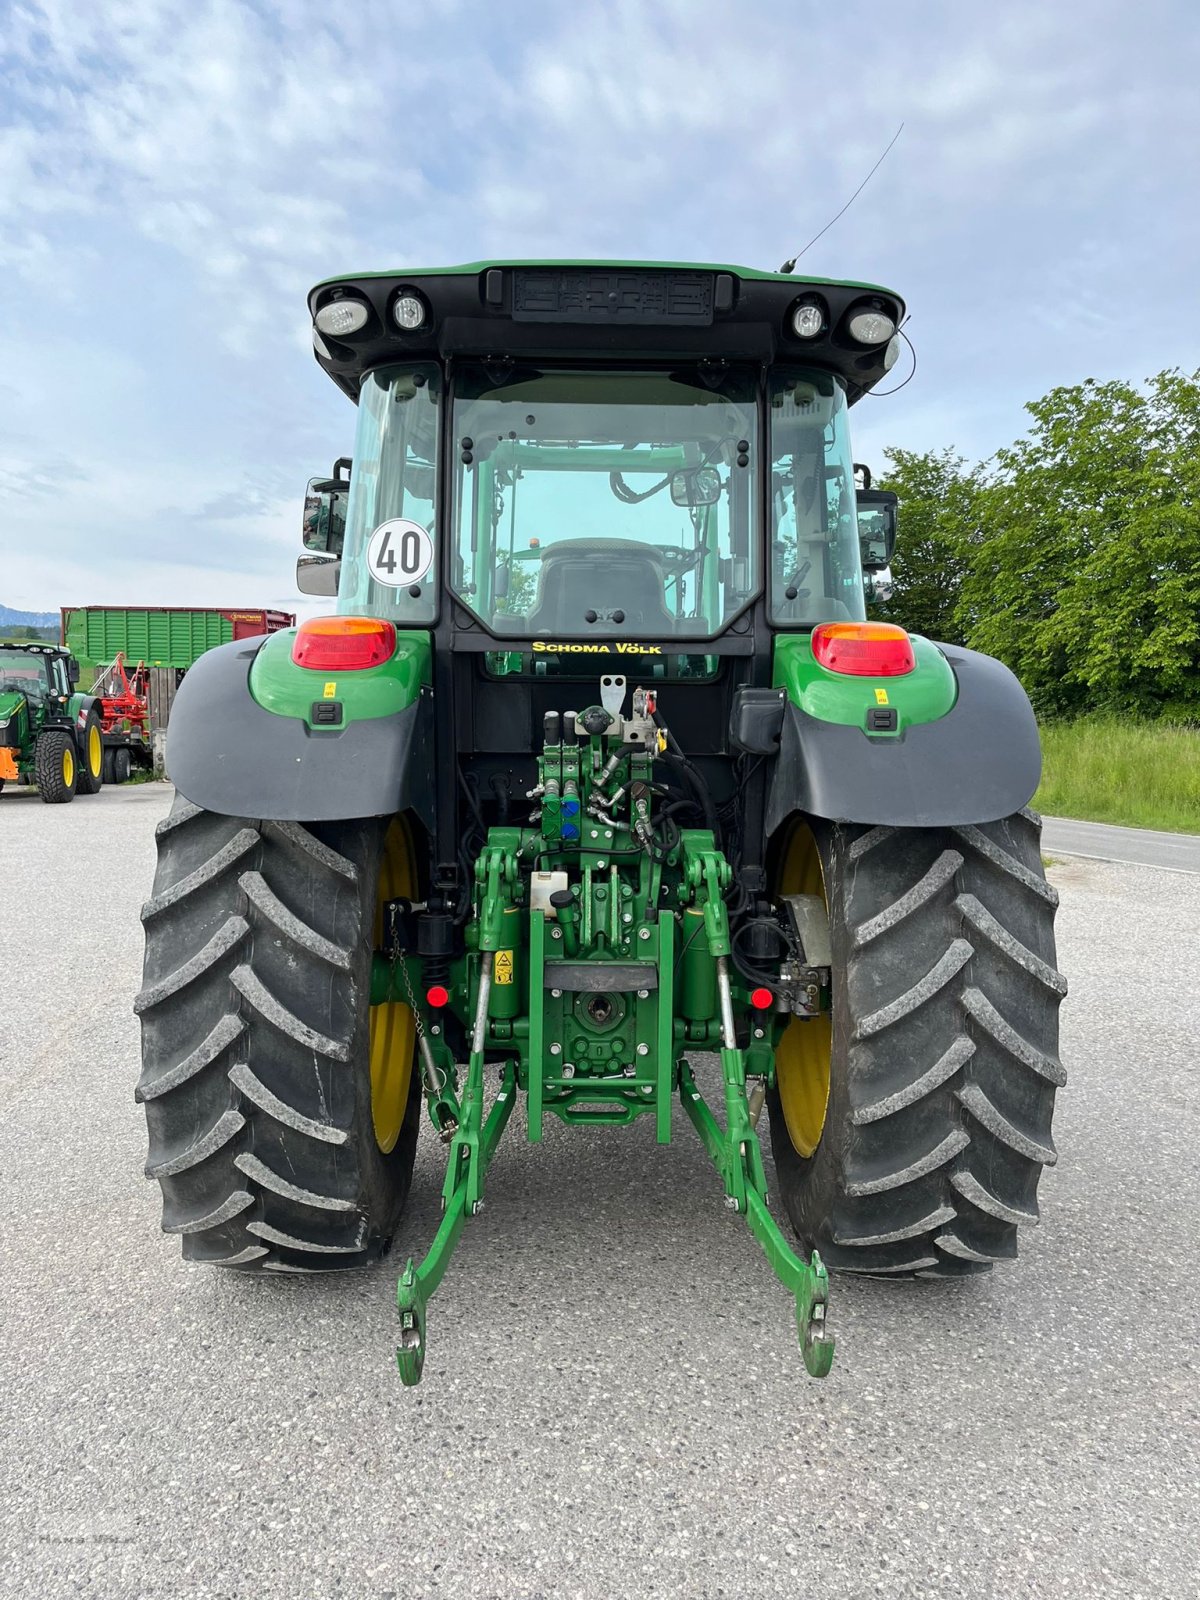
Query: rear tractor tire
x=282 y=1108
x=911 y=1128
x=91 y=757
x=55 y=767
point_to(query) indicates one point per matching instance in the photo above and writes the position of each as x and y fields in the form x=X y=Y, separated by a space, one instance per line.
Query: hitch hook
x=410 y=1348
x=812 y=1301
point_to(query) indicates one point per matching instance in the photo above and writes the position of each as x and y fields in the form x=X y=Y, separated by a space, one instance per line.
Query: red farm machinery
x=123 y=700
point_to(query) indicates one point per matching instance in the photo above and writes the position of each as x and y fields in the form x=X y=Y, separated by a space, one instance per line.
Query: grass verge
x=1136 y=774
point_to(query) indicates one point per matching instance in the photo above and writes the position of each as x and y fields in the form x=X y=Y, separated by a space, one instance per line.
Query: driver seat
x=579 y=575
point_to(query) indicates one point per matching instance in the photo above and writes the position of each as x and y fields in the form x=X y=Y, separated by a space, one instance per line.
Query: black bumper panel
x=979 y=762
x=228 y=755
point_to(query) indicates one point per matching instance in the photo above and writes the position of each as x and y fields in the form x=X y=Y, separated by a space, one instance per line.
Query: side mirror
x=318 y=575
x=325 y=515
x=879 y=586
x=73 y=670
x=698 y=486
x=876 y=527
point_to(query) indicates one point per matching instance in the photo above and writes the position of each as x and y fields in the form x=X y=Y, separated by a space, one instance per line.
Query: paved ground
x=1134 y=846
x=613 y=1403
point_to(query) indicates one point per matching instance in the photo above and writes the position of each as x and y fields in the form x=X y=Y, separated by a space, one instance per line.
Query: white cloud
x=174 y=174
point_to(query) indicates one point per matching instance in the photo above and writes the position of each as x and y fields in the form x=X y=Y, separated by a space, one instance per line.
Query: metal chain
x=398 y=960
x=435 y=1077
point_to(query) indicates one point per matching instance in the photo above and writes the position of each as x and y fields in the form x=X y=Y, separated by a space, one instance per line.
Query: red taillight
x=343 y=644
x=437 y=996
x=863 y=649
x=762 y=999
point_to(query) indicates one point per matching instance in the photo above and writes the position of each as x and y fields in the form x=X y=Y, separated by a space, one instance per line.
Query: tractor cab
x=660 y=457
x=44 y=674
x=38 y=674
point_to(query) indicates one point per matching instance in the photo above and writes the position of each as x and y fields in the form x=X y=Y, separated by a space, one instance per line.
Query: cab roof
x=623 y=312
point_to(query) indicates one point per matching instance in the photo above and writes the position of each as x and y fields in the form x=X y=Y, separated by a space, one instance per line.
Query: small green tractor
x=50 y=734
x=598 y=792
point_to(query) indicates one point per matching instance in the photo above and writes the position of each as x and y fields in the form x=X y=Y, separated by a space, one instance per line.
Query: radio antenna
x=790 y=266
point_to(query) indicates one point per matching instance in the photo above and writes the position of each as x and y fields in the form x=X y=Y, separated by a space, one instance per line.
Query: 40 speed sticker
x=399 y=552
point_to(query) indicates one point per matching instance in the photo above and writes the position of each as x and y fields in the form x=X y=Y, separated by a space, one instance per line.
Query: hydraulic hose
x=675 y=755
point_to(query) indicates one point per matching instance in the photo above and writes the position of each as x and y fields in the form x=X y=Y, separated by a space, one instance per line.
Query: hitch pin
x=758 y=1096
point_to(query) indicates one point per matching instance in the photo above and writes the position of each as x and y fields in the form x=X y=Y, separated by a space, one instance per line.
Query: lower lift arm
x=735 y=1149
x=471 y=1149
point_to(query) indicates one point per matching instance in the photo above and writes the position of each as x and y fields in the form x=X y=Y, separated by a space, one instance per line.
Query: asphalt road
x=613 y=1402
x=1098 y=841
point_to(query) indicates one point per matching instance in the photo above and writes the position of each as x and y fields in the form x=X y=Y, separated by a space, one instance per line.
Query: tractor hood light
x=871 y=327
x=343 y=644
x=892 y=354
x=321 y=347
x=341 y=317
x=863 y=649
x=808 y=320
x=409 y=312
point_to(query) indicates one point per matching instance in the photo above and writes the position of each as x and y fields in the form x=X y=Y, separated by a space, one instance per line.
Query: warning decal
x=881 y=698
x=502 y=967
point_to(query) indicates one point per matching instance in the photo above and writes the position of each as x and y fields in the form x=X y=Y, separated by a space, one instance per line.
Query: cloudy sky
x=175 y=174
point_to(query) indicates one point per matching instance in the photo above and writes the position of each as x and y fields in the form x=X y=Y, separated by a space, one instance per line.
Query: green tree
x=522 y=590
x=936 y=517
x=1084 y=567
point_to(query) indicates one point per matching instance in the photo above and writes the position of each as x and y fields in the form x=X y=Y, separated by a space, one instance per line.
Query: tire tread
x=255 y=1023
x=946 y=1057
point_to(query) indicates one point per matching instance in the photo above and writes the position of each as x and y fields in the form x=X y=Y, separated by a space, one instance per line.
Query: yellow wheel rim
x=95 y=752
x=68 y=768
x=393 y=1028
x=803 y=1054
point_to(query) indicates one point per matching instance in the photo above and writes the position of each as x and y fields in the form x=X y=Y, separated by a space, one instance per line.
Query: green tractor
x=599 y=791
x=49 y=733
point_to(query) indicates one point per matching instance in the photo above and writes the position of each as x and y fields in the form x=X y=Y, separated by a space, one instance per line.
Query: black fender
x=227 y=754
x=980 y=762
